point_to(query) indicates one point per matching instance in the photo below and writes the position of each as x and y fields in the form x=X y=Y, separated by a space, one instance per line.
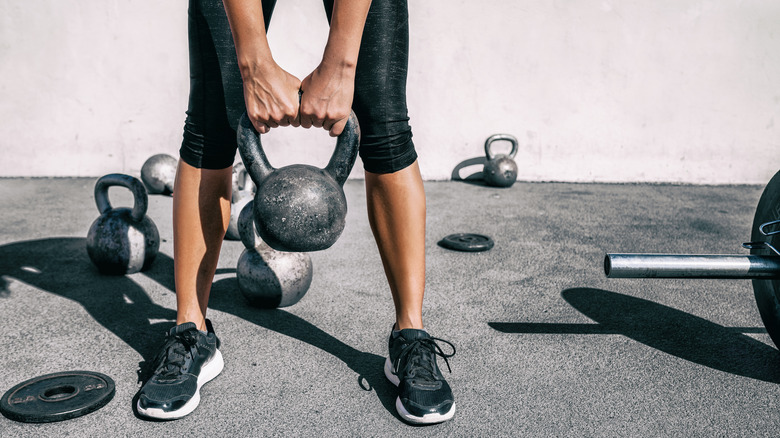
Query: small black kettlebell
x=500 y=170
x=299 y=208
x=122 y=241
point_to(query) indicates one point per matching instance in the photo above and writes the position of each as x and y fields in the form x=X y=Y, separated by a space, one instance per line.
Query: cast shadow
x=61 y=266
x=474 y=176
x=666 y=329
x=369 y=367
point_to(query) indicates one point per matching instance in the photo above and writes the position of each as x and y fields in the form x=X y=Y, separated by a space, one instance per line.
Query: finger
x=338 y=127
x=327 y=124
x=291 y=118
x=317 y=123
x=305 y=121
x=261 y=127
x=296 y=122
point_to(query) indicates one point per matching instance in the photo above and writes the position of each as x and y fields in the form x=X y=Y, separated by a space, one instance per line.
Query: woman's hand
x=270 y=95
x=326 y=101
x=328 y=91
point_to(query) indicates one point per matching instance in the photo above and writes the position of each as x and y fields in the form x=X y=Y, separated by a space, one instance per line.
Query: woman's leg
x=201 y=206
x=201 y=212
x=396 y=212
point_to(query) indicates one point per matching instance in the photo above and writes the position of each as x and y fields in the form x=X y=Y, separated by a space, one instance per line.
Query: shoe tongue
x=414 y=334
x=181 y=328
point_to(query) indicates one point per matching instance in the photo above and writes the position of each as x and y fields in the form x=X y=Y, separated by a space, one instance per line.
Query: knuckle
x=255 y=116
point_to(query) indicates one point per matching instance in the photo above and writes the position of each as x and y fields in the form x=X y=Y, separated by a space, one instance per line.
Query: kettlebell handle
x=141 y=199
x=258 y=167
x=346 y=152
x=496 y=137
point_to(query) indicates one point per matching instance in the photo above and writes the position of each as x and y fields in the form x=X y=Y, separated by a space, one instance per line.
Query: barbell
x=762 y=265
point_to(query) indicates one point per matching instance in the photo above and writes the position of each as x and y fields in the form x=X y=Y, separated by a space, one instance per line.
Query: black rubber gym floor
x=546 y=345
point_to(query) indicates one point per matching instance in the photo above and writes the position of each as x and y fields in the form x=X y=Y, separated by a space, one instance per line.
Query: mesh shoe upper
x=175 y=380
x=422 y=389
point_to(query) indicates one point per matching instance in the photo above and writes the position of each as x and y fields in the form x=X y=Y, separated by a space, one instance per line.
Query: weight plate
x=767 y=291
x=57 y=396
x=467 y=242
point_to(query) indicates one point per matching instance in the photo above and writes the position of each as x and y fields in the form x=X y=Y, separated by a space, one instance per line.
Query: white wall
x=595 y=90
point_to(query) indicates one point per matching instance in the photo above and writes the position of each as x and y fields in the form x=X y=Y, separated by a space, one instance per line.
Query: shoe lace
x=173 y=355
x=419 y=357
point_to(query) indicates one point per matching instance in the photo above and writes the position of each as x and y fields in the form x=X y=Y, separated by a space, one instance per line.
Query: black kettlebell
x=500 y=170
x=122 y=241
x=299 y=208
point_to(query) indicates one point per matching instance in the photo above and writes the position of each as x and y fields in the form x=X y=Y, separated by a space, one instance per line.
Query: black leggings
x=217 y=94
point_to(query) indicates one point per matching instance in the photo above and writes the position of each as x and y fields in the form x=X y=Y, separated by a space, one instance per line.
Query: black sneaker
x=187 y=361
x=424 y=397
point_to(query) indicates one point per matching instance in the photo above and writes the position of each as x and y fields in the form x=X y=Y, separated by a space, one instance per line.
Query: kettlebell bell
x=500 y=170
x=268 y=278
x=159 y=173
x=243 y=192
x=122 y=241
x=299 y=208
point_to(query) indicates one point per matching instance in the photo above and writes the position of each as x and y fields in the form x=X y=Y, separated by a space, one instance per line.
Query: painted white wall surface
x=595 y=90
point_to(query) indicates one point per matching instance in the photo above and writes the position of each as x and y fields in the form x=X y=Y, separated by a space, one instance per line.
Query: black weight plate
x=467 y=242
x=767 y=291
x=57 y=396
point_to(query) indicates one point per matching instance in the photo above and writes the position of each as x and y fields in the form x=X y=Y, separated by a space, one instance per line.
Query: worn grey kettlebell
x=500 y=170
x=299 y=207
x=159 y=173
x=243 y=192
x=268 y=278
x=122 y=241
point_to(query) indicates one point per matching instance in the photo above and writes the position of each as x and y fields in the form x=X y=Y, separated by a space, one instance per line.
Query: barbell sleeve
x=691 y=266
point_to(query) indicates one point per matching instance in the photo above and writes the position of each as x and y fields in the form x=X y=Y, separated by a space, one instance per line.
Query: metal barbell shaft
x=691 y=266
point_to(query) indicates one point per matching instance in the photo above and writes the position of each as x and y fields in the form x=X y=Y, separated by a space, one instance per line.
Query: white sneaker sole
x=207 y=373
x=425 y=419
